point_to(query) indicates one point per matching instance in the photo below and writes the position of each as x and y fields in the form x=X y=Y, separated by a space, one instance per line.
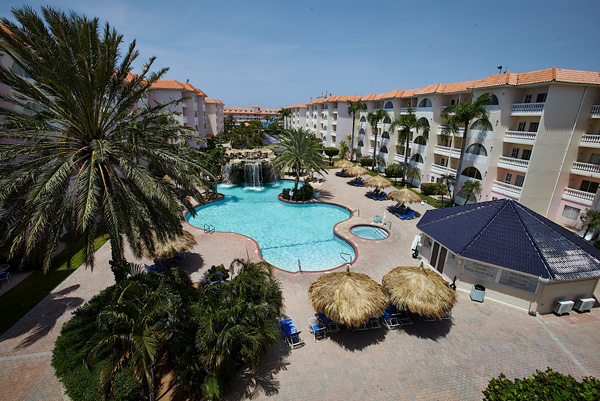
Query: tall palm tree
x=471 y=187
x=591 y=220
x=463 y=114
x=301 y=150
x=67 y=159
x=373 y=118
x=406 y=124
x=446 y=180
x=353 y=108
x=285 y=113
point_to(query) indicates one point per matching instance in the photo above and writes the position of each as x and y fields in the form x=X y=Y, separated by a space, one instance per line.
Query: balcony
x=595 y=112
x=441 y=170
x=513 y=164
x=590 y=140
x=404 y=110
x=335 y=109
x=587 y=169
x=520 y=137
x=507 y=189
x=527 y=109
x=447 y=151
x=362 y=125
x=583 y=197
x=461 y=131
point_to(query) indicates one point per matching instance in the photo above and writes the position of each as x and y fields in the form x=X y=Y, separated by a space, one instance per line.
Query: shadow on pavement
x=358 y=340
x=430 y=330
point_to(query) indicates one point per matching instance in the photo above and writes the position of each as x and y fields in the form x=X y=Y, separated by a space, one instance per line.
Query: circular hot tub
x=368 y=231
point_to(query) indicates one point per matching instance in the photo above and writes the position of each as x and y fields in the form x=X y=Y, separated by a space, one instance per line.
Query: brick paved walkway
x=426 y=361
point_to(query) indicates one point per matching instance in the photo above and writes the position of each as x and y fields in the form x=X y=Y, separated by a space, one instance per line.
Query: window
x=589 y=186
x=420 y=140
x=595 y=158
x=425 y=103
x=541 y=97
x=383 y=149
x=361 y=132
x=527 y=98
x=515 y=153
x=387 y=120
x=424 y=123
x=508 y=178
x=452 y=102
x=493 y=101
x=482 y=126
x=519 y=180
x=472 y=172
x=477 y=149
x=385 y=135
x=533 y=127
x=521 y=126
x=363 y=119
x=417 y=158
x=526 y=154
x=443 y=161
x=361 y=144
x=388 y=105
x=571 y=213
x=432 y=179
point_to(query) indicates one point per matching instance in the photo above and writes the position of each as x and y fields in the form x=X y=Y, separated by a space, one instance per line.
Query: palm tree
x=301 y=150
x=67 y=159
x=471 y=187
x=353 y=108
x=441 y=190
x=591 y=220
x=463 y=114
x=406 y=124
x=446 y=180
x=285 y=113
x=373 y=118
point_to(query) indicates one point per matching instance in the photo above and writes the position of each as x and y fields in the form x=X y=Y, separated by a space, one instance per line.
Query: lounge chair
x=4 y=273
x=372 y=194
x=403 y=318
x=380 y=196
x=342 y=173
x=361 y=328
x=155 y=268
x=390 y=320
x=318 y=329
x=427 y=318
x=374 y=323
x=407 y=216
x=332 y=327
x=178 y=258
x=290 y=333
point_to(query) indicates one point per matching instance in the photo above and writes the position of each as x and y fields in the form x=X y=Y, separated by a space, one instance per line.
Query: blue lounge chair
x=406 y=216
x=318 y=329
x=178 y=258
x=380 y=196
x=390 y=320
x=155 y=268
x=332 y=327
x=290 y=333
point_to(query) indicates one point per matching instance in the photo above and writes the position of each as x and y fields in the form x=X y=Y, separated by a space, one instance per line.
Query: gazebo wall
x=560 y=291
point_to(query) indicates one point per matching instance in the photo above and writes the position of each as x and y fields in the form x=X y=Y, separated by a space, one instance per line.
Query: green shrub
x=394 y=171
x=212 y=273
x=330 y=152
x=366 y=161
x=429 y=188
x=285 y=194
x=548 y=385
x=303 y=194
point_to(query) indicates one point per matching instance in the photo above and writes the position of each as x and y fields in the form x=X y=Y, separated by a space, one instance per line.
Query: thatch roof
x=347 y=298
x=419 y=290
x=378 y=181
x=343 y=164
x=404 y=195
x=356 y=171
x=171 y=247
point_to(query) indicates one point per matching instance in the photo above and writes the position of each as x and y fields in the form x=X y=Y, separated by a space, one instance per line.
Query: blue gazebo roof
x=505 y=233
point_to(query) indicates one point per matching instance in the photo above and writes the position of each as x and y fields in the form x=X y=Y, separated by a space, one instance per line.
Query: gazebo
x=521 y=257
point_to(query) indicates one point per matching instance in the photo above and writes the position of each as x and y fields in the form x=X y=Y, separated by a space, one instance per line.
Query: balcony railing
x=592 y=139
x=526 y=108
x=335 y=109
x=579 y=196
x=507 y=189
x=512 y=163
x=447 y=151
x=595 y=113
x=586 y=168
x=438 y=169
x=521 y=136
x=461 y=131
x=404 y=110
x=362 y=124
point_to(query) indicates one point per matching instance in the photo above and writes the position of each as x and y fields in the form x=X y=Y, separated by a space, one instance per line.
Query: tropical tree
x=591 y=220
x=446 y=180
x=442 y=189
x=373 y=118
x=330 y=152
x=301 y=150
x=406 y=123
x=228 y=125
x=413 y=173
x=394 y=171
x=80 y=149
x=462 y=114
x=471 y=188
x=285 y=113
x=353 y=108
x=344 y=149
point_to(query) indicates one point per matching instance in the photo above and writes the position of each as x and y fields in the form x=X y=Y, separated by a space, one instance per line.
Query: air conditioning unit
x=584 y=304
x=562 y=307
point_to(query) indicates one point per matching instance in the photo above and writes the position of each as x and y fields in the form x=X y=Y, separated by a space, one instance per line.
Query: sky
x=278 y=53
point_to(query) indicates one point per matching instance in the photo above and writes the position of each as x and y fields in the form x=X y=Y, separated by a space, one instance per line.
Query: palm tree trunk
x=374 y=151
x=117 y=264
x=405 y=167
x=586 y=231
x=460 y=163
x=297 y=180
x=352 y=140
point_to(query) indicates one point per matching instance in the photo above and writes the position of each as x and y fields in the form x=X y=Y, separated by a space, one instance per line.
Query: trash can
x=477 y=293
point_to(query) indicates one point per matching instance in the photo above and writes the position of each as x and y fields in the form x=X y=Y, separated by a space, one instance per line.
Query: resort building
x=541 y=146
x=214 y=116
x=254 y=113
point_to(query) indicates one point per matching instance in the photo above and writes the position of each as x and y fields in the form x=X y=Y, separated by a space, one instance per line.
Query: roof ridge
x=479 y=206
x=477 y=234
x=537 y=248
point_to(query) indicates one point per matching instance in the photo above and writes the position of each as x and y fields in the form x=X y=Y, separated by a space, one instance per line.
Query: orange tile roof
x=213 y=101
x=172 y=84
x=368 y=97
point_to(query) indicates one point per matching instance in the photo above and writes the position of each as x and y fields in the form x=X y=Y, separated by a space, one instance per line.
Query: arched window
x=388 y=105
x=472 y=172
x=493 y=100
x=361 y=144
x=482 y=126
x=361 y=132
x=385 y=135
x=477 y=149
x=417 y=158
x=363 y=119
x=425 y=103
x=424 y=122
x=420 y=140
x=387 y=120
x=383 y=149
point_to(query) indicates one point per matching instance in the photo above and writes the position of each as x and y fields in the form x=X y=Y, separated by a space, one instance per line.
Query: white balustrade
x=595 y=112
x=586 y=167
x=526 y=108
x=507 y=189
x=520 y=135
x=511 y=162
x=591 y=138
x=579 y=196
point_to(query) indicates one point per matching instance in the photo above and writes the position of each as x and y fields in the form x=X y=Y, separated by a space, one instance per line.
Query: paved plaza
x=449 y=360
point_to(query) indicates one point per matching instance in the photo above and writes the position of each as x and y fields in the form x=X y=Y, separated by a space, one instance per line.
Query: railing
x=404 y=110
x=527 y=108
x=461 y=131
x=439 y=169
x=505 y=188
x=512 y=162
x=580 y=196
x=335 y=109
x=595 y=112
x=590 y=138
x=446 y=150
x=586 y=167
x=362 y=124
x=345 y=255
x=520 y=135
x=357 y=212
x=209 y=229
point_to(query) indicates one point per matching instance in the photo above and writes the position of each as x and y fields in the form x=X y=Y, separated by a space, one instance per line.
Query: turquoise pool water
x=286 y=233
x=369 y=232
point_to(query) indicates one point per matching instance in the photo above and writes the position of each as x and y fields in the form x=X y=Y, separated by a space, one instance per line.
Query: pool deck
x=450 y=360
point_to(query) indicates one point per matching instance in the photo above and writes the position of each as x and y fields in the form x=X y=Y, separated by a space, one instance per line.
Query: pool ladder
x=345 y=255
x=389 y=222
x=209 y=229
x=357 y=212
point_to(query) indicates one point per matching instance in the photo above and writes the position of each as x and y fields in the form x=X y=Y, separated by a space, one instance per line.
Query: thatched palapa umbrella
x=356 y=171
x=343 y=164
x=347 y=298
x=404 y=195
x=171 y=247
x=419 y=290
x=377 y=181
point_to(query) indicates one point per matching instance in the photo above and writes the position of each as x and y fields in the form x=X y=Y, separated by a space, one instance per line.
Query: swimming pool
x=369 y=232
x=286 y=233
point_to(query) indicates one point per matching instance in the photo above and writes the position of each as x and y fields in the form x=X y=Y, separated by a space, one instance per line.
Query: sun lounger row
x=357 y=182
x=342 y=173
x=377 y=194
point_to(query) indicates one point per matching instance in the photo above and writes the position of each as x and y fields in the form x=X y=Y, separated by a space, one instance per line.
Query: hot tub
x=368 y=231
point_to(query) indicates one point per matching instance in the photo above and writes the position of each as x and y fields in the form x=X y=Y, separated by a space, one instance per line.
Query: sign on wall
x=479 y=270
x=519 y=281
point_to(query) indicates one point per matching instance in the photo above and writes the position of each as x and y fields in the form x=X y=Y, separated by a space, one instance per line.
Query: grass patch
x=29 y=292
x=430 y=201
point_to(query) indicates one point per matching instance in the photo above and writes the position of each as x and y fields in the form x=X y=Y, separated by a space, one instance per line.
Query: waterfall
x=253 y=175
x=226 y=172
